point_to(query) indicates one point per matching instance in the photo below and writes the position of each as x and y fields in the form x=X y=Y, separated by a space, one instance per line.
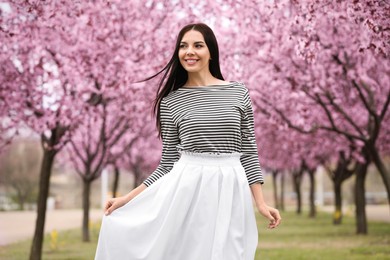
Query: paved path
x=19 y=225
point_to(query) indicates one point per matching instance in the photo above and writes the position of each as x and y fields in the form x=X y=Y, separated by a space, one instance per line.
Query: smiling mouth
x=191 y=61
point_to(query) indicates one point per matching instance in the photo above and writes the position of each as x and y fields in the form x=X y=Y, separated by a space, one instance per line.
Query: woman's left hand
x=271 y=214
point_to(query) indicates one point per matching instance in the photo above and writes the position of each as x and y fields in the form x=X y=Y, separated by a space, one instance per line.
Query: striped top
x=208 y=119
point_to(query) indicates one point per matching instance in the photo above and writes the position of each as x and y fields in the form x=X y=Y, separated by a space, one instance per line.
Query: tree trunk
x=338 y=214
x=360 y=200
x=22 y=204
x=299 y=200
x=282 y=182
x=385 y=174
x=44 y=185
x=116 y=182
x=338 y=176
x=137 y=176
x=297 y=179
x=86 y=205
x=21 y=199
x=275 y=188
x=312 y=210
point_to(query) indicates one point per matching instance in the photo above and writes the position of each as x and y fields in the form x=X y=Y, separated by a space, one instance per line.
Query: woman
x=197 y=203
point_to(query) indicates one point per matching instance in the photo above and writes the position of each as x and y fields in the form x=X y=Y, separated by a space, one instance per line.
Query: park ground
x=299 y=237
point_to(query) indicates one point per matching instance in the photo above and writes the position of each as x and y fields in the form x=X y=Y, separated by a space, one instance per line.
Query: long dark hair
x=175 y=76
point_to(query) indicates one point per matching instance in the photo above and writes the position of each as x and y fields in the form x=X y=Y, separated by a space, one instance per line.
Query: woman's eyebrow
x=194 y=42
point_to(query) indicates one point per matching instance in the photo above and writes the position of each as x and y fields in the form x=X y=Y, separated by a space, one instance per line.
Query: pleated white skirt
x=201 y=210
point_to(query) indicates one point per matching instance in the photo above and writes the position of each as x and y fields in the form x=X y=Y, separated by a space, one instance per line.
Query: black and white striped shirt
x=208 y=119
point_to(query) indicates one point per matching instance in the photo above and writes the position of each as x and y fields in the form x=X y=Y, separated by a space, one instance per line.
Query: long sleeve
x=170 y=139
x=250 y=157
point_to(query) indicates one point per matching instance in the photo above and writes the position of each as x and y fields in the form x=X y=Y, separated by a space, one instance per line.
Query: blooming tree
x=312 y=67
x=325 y=76
x=111 y=126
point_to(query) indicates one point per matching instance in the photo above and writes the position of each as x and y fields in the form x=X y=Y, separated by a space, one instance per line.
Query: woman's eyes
x=198 y=46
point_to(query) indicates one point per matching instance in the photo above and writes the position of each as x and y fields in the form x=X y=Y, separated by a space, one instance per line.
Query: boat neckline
x=209 y=86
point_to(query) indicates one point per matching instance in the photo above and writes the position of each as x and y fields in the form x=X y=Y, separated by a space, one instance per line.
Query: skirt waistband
x=210 y=158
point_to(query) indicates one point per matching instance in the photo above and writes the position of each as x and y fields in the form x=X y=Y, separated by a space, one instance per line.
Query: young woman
x=197 y=204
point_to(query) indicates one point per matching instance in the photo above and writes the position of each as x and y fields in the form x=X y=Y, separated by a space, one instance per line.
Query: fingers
x=271 y=219
x=109 y=207
x=276 y=218
x=272 y=223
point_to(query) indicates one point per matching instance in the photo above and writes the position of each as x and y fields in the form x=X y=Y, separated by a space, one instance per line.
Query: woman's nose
x=190 y=51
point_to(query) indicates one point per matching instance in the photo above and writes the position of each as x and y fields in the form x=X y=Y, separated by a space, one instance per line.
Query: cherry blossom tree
x=110 y=128
x=36 y=94
x=55 y=53
x=324 y=76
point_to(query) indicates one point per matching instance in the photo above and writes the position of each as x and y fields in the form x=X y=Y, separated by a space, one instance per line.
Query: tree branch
x=343 y=113
x=334 y=128
x=286 y=119
x=363 y=99
x=385 y=107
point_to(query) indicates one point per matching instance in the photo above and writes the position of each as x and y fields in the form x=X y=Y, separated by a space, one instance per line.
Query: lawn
x=299 y=237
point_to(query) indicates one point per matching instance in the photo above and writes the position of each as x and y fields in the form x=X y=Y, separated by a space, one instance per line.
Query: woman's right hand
x=113 y=204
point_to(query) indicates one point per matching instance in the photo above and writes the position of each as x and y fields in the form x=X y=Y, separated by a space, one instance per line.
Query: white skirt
x=201 y=210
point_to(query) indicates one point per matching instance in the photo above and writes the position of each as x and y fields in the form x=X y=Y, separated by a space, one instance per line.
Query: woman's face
x=194 y=55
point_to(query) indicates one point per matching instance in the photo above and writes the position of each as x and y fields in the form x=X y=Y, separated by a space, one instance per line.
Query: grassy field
x=297 y=238
x=300 y=237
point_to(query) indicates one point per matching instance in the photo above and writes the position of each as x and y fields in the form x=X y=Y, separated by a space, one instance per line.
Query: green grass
x=67 y=247
x=299 y=237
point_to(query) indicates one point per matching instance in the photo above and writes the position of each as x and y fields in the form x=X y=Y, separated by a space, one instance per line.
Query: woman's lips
x=191 y=61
